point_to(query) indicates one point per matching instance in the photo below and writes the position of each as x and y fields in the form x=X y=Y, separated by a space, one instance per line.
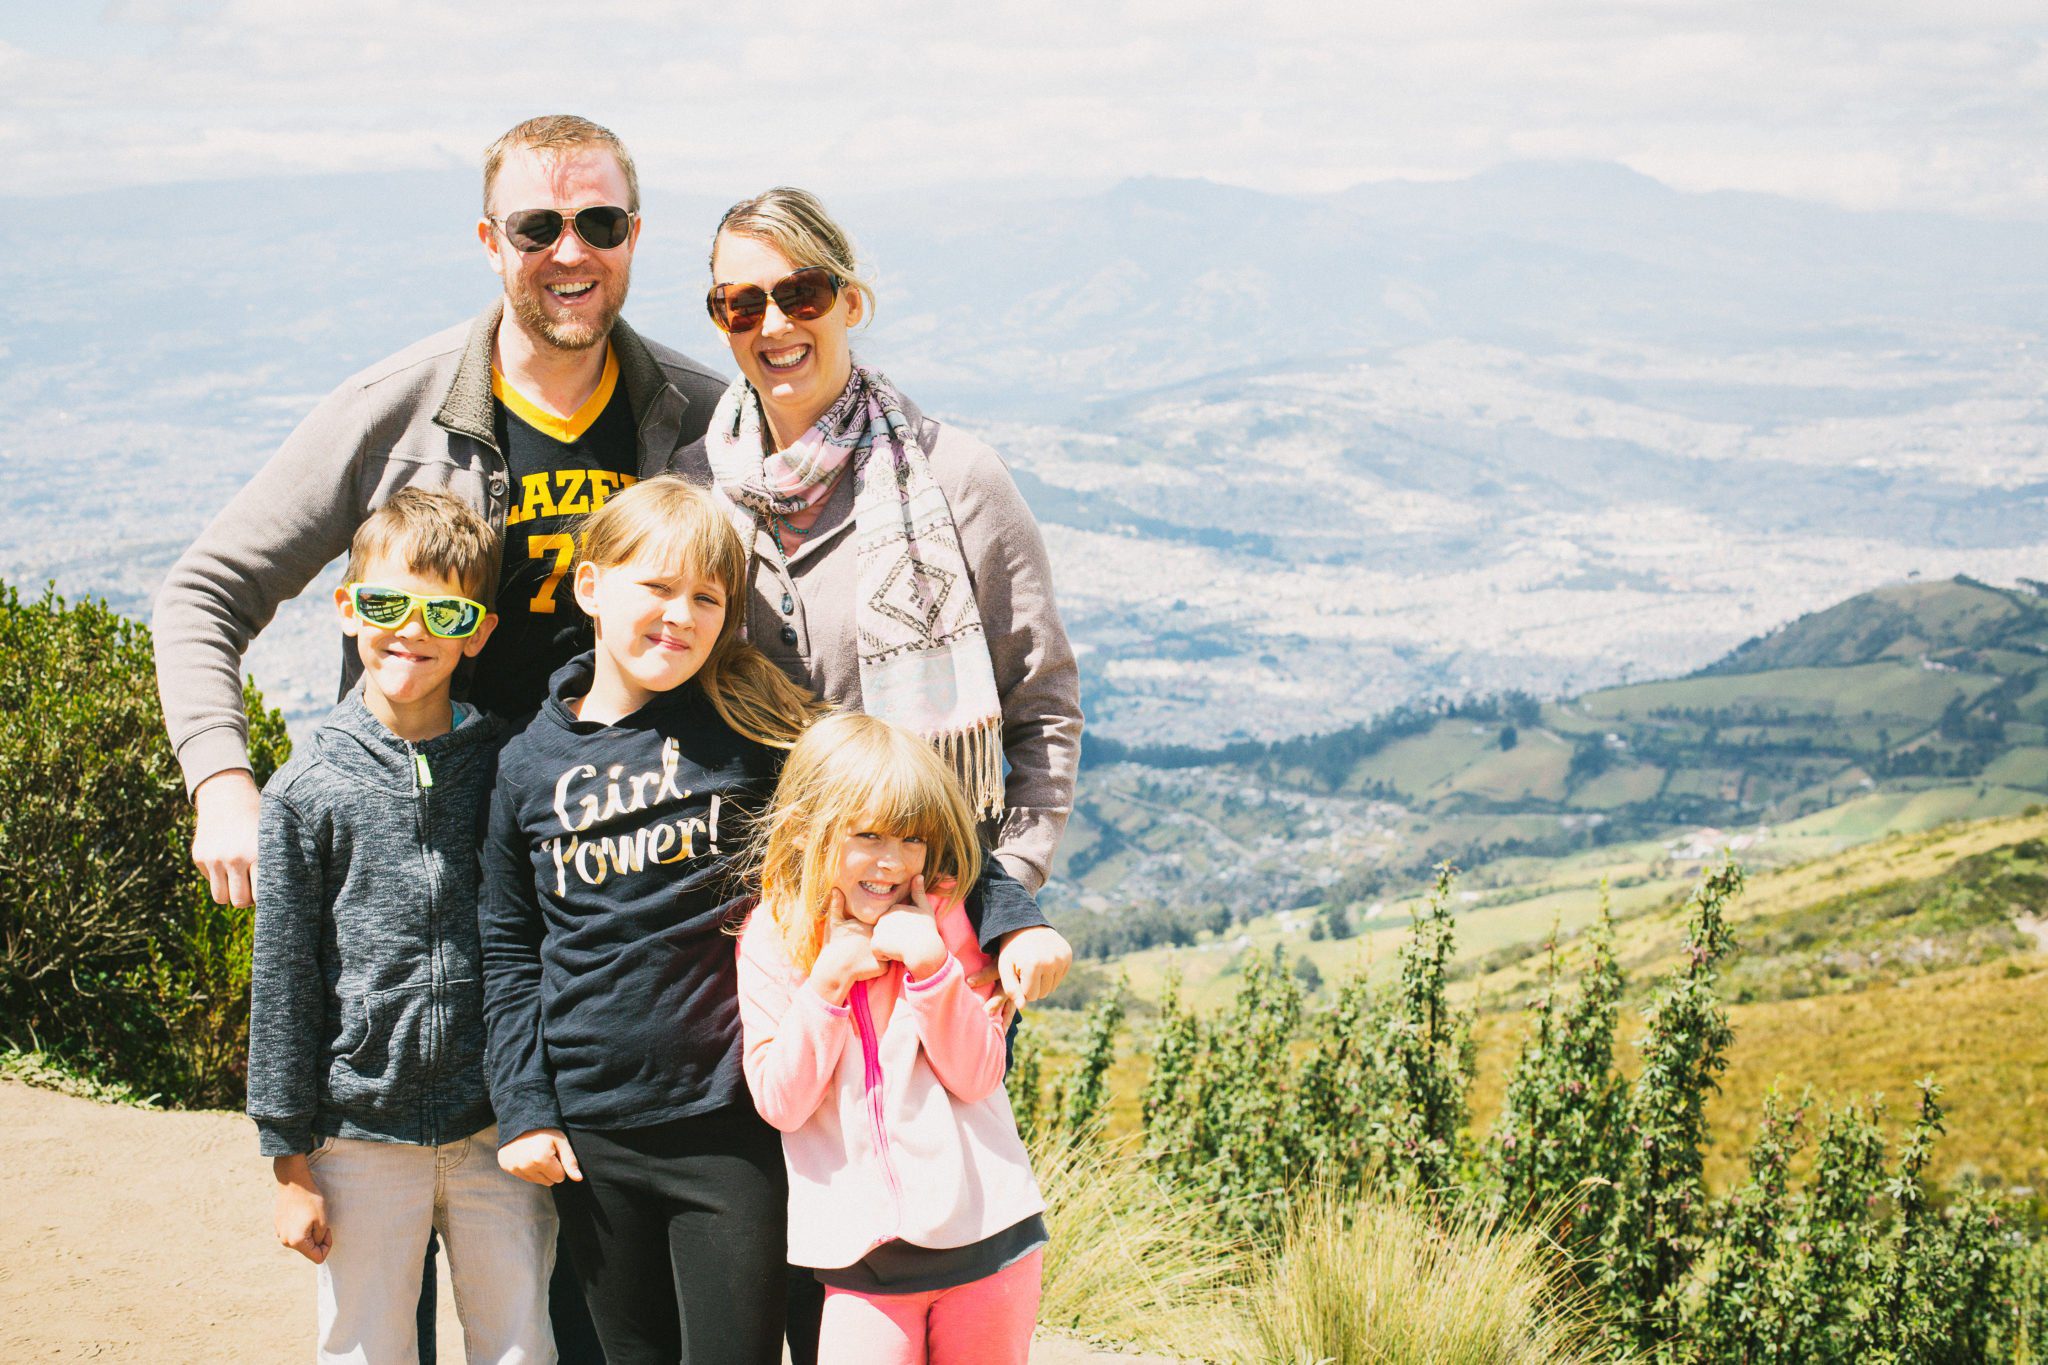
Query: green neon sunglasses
x=449 y=618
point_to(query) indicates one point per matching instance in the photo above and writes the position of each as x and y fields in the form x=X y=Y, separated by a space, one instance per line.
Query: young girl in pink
x=910 y=1194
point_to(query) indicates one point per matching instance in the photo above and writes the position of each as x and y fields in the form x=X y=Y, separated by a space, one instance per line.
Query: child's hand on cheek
x=909 y=934
x=848 y=955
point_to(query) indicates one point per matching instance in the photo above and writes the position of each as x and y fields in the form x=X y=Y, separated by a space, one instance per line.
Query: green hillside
x=1904 y=621
x=1908 y=686
x=1901 y=708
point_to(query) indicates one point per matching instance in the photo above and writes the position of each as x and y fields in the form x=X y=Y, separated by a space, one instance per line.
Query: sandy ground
x=99 y=1264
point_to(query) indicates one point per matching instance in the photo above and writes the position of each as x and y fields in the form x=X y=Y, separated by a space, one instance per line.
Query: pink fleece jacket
x=894 y=1120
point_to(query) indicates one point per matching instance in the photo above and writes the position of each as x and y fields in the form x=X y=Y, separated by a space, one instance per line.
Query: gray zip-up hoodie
x=366 y=1005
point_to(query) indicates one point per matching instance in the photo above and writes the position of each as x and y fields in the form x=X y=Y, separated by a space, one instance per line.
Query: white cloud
x=1879 y=103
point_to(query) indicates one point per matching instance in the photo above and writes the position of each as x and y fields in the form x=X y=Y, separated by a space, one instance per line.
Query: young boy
x=366 y=1033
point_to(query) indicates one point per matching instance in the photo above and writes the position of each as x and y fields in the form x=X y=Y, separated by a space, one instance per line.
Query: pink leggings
x=987 y=1322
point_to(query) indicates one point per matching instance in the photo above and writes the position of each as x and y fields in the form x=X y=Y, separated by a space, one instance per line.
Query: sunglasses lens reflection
x=381 y=607
x=603 y=227
x=803 y=295
x=739 y=307
x=451 y=617
x=533 y=229
x=807 y=294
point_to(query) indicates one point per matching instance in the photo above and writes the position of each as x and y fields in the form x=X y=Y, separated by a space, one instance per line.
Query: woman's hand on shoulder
x=1031 y=963
x=541 y=1157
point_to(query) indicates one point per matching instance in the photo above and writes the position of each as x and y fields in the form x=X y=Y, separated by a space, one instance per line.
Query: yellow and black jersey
x=562 y=468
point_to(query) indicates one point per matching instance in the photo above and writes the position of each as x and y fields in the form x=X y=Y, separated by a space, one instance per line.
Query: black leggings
x=676 y=1233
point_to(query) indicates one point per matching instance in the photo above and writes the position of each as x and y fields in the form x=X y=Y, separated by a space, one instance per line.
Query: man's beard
x=570 y=336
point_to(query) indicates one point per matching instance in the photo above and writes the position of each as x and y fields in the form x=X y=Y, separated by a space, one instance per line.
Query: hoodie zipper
x=422 y=783
x=871 y=1077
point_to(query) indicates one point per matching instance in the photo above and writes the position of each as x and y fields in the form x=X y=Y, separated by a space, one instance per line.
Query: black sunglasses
x=804 y=295
x=602 y=226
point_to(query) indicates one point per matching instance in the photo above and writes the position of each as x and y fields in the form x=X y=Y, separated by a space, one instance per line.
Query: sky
x=1876 y=104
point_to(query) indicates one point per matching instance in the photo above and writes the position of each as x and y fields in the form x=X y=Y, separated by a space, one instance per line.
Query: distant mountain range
x=1300 y=458
x=1029 y=307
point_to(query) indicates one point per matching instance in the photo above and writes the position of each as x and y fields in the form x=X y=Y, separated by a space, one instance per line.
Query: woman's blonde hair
x=848 y=773
x=795 y=223
x=671 y=521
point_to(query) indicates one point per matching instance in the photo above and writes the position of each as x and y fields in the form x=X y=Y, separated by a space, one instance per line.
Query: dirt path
x=130 y=1235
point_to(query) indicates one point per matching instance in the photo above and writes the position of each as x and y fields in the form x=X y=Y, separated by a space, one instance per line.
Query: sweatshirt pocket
x=384 y=1048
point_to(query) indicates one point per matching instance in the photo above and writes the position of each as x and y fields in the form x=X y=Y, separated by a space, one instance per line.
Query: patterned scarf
x=924 y=661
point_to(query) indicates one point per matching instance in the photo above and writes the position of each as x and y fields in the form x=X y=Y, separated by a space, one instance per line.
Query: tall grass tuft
x=1400 y=1282
x=1131 y=1261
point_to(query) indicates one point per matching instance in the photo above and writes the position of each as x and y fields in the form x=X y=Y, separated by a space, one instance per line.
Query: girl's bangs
x=906 y=800
x=693 y=535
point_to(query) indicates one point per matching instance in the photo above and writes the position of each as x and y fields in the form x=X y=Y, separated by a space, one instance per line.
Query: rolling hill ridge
x=1912 y=703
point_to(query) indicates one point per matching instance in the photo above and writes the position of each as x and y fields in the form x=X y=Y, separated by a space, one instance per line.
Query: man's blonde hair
x=795 y=223
x=852 y=772
x=432 y=532
x=559 y=133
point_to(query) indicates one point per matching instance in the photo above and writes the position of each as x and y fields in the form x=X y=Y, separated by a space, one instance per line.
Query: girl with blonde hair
x=910 y=1194
x=609 y=987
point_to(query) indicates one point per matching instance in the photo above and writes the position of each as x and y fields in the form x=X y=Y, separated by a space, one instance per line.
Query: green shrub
x=1025 y=1081
x=1084 y=1094
x=1295 y=1131
x=1551 y=1154
x=1652 y=1236
x=1428 y=1050
x=1246 y=1149
x=1748 y=1308
x=113 y=958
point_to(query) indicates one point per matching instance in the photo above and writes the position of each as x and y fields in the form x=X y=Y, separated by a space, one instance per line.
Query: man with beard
x=535 y=413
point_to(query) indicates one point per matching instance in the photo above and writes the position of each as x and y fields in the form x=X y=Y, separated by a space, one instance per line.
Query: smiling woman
x=897 y=570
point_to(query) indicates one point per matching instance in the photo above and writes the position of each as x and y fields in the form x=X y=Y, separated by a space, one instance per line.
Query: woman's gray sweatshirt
x=366 y=1005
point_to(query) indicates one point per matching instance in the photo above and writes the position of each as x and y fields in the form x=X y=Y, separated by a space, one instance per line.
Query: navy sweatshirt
x=609 y=879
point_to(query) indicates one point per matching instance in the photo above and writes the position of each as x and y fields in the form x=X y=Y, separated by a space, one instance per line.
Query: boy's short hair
x=433 y=532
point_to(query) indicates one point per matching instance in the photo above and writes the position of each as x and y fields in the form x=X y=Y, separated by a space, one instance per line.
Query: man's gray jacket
x=421 y=417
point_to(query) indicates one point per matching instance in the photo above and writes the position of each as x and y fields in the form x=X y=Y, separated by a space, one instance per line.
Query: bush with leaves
x=1219 y=1105
x=1550 y=1155
x=1082 y=1096
x=1345 y=1087
x=1854 y=1264
x=113 y=958
x=1170 y=1105
x=1933 y=1300
x=1025 y=1082
x=1827 y=1271
x=1246 y=1128
x=1429 y=1053
x=1746 y=1311
x=1652 y=1235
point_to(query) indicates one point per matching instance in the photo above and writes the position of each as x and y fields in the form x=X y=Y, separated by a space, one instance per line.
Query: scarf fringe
x=976 y=755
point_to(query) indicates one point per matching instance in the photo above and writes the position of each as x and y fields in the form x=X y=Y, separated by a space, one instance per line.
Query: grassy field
x=1981 y=1028
x=1514 y=904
